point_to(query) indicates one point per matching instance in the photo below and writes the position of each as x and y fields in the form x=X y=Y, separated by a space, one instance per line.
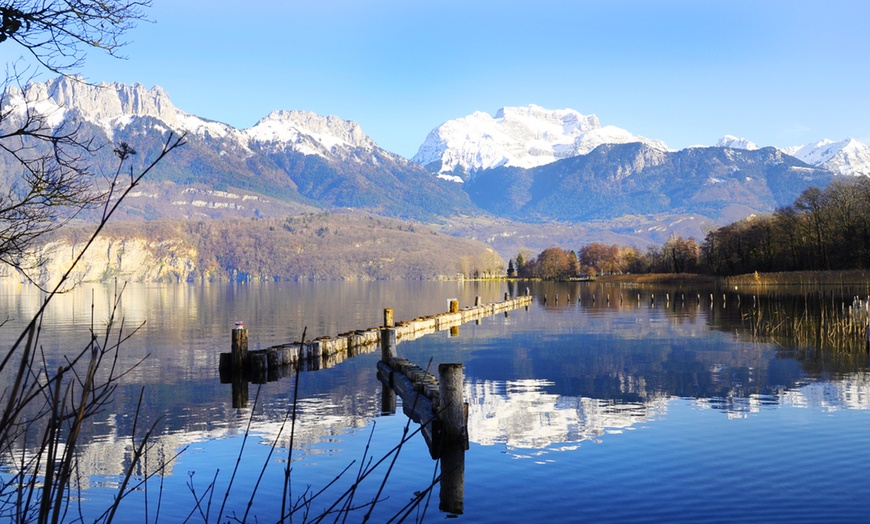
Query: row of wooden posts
x=260 y=366
x=437 y=404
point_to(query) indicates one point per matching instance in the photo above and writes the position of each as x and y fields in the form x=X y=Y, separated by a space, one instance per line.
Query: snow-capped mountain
x=108 y=106
x=114 y=106
x=846 y=157
x=309 y=133
x=287 y=161
x=525 y=137
x=736 y=143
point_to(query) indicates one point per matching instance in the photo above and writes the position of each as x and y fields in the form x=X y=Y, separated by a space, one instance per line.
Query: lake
x=600 y=402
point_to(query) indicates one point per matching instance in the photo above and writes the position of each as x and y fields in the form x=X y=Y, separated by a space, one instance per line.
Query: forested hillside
x=321 y=246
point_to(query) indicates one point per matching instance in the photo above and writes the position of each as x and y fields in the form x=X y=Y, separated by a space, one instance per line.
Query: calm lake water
x=596 y=407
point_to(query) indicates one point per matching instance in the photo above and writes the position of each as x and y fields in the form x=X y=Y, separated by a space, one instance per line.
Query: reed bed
x=817 y=321
x=659 y=278
x=841 y=279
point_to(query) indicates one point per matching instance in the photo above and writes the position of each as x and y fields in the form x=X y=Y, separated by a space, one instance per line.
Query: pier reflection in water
x=670 y=382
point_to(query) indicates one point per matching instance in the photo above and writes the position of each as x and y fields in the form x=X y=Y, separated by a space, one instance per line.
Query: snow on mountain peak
x=113 y=106
x=107 y=105
x=525 y=137
x=309 y=132
x=846 y=157
x=736 y=143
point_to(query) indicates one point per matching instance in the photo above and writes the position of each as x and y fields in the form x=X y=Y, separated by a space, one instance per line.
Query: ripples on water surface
x=579 y=410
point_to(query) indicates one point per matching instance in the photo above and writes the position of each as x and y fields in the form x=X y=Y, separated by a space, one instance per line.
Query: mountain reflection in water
x=586 y=367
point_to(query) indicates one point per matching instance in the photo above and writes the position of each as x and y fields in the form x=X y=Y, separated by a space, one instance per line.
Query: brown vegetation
x=321 y=246
x=847 y=278
x=823 y=230
x=660 y=278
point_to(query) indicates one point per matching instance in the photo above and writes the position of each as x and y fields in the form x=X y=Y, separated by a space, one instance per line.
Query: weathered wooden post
x=259 y=367
x=477 y=301
x=507 y=296
x=388 y=317
x=273 y=365
x=454 y=305
x=452 y=478
x=239 y=347
x=240 y=391
x=225 y=368
x=454 y=438
x=453 y=410
x=388 y=345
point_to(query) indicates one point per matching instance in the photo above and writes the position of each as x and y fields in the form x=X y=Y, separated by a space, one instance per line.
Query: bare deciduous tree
x=58 y=33
x=46 y=168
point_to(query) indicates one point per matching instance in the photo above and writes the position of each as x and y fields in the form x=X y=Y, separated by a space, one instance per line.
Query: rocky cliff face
x=127 y=259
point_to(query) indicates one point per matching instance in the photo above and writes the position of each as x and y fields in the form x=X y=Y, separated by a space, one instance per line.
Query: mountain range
x=525 y=165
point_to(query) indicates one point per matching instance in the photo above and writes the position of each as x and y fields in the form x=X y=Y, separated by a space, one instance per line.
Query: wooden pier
x=272 y=363
x=437 y=404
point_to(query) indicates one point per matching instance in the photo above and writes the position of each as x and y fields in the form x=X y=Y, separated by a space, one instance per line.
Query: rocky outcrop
x=127 y=259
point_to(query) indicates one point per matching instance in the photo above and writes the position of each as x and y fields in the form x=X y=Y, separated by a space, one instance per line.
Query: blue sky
x=686 y=72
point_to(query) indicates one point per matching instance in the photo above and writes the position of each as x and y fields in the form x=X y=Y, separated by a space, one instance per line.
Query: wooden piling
x=388 y=317
x=239 y=391
x=259 y=367
x=476 y=301
x=388 y=345
x=388 y=399
x=452 y=409
x=454 y=305
x=239 y=349
x=225 y=367
x=452 y=494
x=273 y=361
